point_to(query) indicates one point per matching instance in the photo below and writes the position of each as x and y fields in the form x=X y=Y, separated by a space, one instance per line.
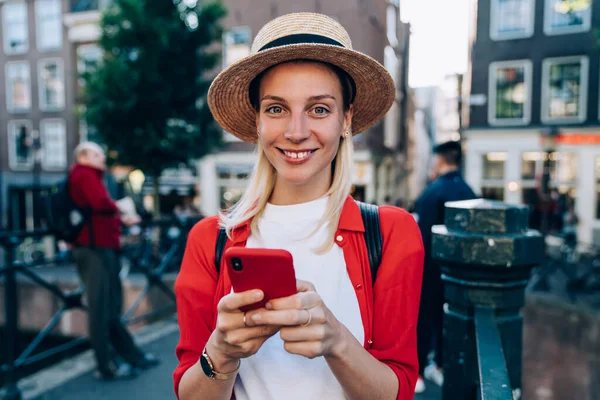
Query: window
x=54 y=144
x=564 y=89
x=512 y=19
x=236 y=45
x=48 y=24
x=531 y=163
x=598 y=188
x=563 y=16
x=562 y=166
x=492 y=185
x=14 y=20
x=493 y=165
x=20 y=145
x=18 y=87
x=233 y=171
x=493 y=193
x=510 y=88
x=88 y=57
x=52 y=85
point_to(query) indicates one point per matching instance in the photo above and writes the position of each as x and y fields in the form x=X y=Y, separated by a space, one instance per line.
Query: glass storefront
x=547 y=209
x=492 y=187
x=493 y=165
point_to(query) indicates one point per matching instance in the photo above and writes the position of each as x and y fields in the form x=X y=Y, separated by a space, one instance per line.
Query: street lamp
x=549 y=137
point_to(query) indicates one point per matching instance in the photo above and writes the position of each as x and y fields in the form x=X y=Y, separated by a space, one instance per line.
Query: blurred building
x=531 y=110
x=38 y=127
x=440 y=108
x=375 y=29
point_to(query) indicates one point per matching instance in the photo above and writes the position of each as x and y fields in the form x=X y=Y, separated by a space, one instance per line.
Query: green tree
x=146 y=100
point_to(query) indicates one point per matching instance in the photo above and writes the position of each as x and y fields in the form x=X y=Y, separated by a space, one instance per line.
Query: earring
x=258 y=133
x=346 y=134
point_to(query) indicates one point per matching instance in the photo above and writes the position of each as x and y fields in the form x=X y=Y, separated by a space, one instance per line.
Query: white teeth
x=297 y=155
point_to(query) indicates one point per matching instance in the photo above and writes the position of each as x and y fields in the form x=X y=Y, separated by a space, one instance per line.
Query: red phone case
x=269 y=270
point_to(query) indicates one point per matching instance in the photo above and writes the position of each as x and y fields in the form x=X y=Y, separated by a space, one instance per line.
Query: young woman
x=300 y=95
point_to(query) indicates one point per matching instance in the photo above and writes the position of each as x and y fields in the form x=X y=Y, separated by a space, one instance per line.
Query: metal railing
x=13 y=368
x=494 y=382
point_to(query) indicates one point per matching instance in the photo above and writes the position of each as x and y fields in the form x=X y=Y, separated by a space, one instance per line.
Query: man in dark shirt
x=96 y=255
x=448 y=185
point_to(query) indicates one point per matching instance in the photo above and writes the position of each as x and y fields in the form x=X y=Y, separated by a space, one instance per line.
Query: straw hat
x=292 y=37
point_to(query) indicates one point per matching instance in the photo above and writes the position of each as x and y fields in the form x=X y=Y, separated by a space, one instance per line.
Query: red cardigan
x=88 y=191
x=389 y=309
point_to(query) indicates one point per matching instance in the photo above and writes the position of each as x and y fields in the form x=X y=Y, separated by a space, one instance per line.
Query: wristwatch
x=209 y=370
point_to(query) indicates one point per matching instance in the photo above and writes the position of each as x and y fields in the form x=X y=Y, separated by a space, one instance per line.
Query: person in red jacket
x=96 y=255
x=300 y=96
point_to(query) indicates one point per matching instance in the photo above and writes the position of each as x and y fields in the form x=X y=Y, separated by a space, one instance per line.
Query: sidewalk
x=153 y=384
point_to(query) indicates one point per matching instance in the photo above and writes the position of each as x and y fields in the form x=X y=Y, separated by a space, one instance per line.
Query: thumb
x=304 y=286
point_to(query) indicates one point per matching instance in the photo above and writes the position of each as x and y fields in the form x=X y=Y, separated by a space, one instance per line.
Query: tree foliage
x=146 y=100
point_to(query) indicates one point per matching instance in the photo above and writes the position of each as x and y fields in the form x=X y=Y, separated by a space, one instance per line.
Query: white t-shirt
x=273 y=373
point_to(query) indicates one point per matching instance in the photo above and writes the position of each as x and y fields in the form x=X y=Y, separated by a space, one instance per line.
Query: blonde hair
x=262 y=182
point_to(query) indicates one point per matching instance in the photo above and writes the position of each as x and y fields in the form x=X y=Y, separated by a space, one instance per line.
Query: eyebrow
x=312 y=98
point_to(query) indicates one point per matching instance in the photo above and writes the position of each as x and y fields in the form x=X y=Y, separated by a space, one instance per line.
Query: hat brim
x=229 y=101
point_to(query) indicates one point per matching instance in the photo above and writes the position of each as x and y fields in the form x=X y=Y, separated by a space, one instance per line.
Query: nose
x=298 y=130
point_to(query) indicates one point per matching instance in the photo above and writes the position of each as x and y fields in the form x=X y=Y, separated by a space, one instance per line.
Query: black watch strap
x=209 y=370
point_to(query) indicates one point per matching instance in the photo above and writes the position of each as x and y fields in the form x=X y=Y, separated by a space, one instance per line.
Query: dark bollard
x=10 y=391
x=486 y=253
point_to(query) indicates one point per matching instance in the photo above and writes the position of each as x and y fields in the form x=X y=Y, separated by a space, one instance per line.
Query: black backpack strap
x=373 y=239
x=219 y=247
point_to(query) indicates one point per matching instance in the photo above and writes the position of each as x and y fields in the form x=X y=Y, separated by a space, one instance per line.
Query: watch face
x=206 y=366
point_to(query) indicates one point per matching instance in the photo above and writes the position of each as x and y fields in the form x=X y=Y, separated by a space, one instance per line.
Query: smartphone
x=270 y=270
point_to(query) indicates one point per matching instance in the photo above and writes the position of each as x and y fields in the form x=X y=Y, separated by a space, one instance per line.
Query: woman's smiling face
x=301 y=119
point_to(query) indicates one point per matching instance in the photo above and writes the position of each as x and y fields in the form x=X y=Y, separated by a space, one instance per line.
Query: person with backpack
x=350 y=331
x=96 y=254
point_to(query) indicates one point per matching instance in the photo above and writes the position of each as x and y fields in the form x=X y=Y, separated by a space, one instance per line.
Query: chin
x=295 y=177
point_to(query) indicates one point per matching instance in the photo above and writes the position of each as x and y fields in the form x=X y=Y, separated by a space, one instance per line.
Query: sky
x=439 y=38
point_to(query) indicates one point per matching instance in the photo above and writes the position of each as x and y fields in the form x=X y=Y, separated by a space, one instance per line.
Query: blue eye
x=320 y=110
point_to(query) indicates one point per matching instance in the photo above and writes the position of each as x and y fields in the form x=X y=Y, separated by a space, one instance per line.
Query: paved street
x=153 y=384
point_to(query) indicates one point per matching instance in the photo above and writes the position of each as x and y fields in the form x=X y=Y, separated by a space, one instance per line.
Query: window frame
x=83 y=49
x=8 y=88
x=5 y=36
x=492 y=79
x=44 y=162
x=547 y=63
x=550 y=31
x=61 y=70
x=496 y=36
x=12 y=149
x=38 y=24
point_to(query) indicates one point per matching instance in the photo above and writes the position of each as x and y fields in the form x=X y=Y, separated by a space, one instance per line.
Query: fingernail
x=256 y=317
x=269 y=305
x=258 y=295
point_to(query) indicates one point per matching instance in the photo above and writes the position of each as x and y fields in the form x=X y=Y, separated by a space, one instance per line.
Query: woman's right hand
x=233 y=339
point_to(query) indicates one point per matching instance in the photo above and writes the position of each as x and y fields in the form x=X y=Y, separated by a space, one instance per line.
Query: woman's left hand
x=308 y=328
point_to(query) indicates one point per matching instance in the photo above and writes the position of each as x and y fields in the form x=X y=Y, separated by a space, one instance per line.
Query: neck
x=445 y=169
x=286 y=193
